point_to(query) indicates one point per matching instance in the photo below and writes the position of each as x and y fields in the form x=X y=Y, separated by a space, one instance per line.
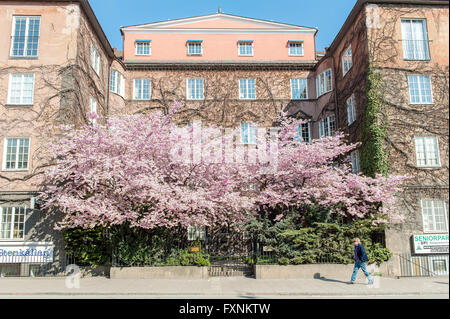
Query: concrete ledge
x=309 y=271
x=168 y=272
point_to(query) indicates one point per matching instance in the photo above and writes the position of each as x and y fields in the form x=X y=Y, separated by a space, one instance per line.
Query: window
x=12 y=221
x=248 y=133
x=351 y=113
x=117 y=83
x=415 y=39
x=95 y=59
x=324 y=82
x=143 y=47
x=21 y=88
x=354 y=159
x=295 y=48
x=327 y=126
x=195 y=89
x=427 y=151
x=16 y=153
x=195 y=47
x=196 y=232
x=25 y=36
x=420 y=89
x=347 y=62
x=434 y=215
x=247 y=89
x=245 y=48
x=299 y=89
x=304 y=132
x=93 y=109
x=142 y=89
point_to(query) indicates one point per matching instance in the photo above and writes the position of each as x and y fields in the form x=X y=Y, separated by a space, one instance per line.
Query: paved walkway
x=236 y=287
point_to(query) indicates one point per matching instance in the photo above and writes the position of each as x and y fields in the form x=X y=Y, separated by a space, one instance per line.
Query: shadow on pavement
x=330 y=280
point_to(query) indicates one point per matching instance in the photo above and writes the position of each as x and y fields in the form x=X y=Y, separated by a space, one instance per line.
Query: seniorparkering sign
x=431 y=244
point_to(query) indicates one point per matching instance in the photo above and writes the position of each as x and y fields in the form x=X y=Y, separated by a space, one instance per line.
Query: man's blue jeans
x=362 y=265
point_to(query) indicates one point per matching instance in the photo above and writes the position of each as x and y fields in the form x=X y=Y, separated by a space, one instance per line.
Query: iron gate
x=231 y=253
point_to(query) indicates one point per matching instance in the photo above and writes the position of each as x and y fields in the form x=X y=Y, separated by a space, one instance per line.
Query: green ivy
x=373 y=157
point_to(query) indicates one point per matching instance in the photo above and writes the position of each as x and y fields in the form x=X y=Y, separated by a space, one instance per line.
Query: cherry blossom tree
x=146 y=171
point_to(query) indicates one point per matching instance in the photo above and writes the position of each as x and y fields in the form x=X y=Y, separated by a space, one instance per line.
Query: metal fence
x=423 y=265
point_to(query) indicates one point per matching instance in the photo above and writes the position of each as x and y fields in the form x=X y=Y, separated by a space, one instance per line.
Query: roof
x=86 y=7
x=171 y=22
x=361 y=3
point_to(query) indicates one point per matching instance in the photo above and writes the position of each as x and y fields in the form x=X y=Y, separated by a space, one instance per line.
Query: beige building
x=58 y=66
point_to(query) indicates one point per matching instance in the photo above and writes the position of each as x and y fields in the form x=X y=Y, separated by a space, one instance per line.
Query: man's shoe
x=370 y=282
x=351 y=282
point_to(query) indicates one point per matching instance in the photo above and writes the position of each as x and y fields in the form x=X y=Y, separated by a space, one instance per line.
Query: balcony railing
x=416 y=50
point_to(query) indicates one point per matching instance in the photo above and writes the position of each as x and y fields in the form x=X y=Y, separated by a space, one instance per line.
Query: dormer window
x=295 y=48
x=143 y=47
x=245 y=47
x=195 y=47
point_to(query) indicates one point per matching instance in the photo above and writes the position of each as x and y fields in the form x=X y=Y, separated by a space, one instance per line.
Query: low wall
x=168 y=272
x=311 y=271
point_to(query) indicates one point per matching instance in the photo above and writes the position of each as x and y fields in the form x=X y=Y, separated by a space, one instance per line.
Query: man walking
x=360 y=261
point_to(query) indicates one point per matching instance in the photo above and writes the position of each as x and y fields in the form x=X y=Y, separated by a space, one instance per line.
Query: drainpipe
x=336 y=111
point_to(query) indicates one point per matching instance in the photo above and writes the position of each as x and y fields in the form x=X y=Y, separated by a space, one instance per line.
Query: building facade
x=59 y=68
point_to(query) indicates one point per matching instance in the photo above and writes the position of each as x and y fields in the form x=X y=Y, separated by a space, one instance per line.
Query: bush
x=304 y=238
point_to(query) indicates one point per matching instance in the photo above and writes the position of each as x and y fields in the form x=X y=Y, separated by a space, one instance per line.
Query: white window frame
x=251 y=138
x=2 y=208
x=351 y=110
x=93 y=108
x=11 y=75
x=143 y=49
x=5 y=148
x=347 y=60
x=192 y=97
x=290 y=53
x=355 y=162
x=246 y=43
x=196 y=43
x=300 y=132
x=119 y=83
x=298 y=80
x=140 y=98
x=414 y=38
x=27 y=25
x=248 y=95
x=420 y=91
x=327 y=82
x=425 y=151
x=325 y=126
x=95 y=59
x=434 y=216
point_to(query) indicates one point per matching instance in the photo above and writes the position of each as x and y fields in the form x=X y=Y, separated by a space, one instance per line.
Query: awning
x=143 y=41
x=194 y=40
x=295 y=41
x=245 y=41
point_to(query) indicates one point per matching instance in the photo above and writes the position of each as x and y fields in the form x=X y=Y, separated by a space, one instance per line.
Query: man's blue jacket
x=360 y=253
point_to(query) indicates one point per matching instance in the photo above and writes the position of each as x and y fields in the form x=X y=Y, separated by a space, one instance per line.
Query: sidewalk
x=219 y=287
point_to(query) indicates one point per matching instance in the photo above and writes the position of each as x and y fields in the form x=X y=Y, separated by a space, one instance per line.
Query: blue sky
x=327 y=15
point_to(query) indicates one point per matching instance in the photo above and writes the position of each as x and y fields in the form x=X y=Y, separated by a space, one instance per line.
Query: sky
x=327 y=15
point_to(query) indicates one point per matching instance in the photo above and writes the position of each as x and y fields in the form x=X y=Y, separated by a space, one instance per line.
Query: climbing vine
x=373 y=156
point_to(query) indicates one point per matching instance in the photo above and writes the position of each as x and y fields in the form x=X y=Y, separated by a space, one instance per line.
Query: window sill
x=425 y=60
x=15 y=170
x=141 y=99
x=245 y=55
x=23 y=57
x=194 y=54
x=429 y=167
x=301 y=99
x=19 y=105
x=143 y=55
x=297 y=55
x=416 y=104
x=435 y=232
x=248 y=99
x=195 y=99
